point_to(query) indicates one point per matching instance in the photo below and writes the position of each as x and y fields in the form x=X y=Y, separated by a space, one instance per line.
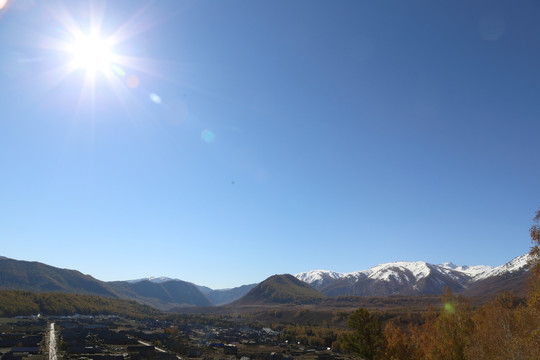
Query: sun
x=91 y=53
x=95 y=56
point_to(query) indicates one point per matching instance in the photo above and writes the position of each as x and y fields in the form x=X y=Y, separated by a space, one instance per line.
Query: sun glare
x=91 y=53
x=94 y=56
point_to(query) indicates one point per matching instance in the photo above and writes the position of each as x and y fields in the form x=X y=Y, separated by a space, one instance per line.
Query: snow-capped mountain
x=401 y=271
x=318 y=278
x=512 y=276
x=469 y=270
x=515 y=265
x=154 y=279
x=406 y=278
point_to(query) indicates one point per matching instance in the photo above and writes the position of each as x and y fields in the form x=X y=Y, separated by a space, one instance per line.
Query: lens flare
x=132 y=81
x=448 y=307
x=118 y=70
x=155 y=98
x=208 y=136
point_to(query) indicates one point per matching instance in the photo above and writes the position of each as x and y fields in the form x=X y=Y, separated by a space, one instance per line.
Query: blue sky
x=227 y=141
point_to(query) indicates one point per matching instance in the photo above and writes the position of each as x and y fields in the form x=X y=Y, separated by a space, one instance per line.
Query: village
x=115 y=338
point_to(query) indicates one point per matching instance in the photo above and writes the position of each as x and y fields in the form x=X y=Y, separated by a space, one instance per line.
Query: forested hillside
x=281 y=289
x=15 y=303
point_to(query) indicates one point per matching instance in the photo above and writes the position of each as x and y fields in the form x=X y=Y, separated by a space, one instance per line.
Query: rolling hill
x=281 y=289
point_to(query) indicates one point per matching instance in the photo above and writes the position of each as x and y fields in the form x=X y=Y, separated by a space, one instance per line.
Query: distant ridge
x=162 y=295
x=281 y=289
x=38 y=277
x=415 y=278
x=216 y=297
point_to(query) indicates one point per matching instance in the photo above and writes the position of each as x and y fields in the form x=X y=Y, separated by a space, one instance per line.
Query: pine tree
x=366 y=339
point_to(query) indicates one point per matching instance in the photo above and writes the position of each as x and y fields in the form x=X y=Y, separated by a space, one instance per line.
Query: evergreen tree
x=366 y=339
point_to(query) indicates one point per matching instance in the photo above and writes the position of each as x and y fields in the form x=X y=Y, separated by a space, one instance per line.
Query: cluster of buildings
x=112 y=338
x=20 y=339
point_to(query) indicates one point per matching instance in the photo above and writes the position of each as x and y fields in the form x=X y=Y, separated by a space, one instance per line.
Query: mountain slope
x=24 y=303
x=216 y=297
x=512 y=276
x=517 y=264
x=281 y=289
x=35 y=276
x=163 y=295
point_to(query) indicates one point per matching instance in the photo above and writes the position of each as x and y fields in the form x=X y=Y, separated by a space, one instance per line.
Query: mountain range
x=397 y=278
x=417 y=278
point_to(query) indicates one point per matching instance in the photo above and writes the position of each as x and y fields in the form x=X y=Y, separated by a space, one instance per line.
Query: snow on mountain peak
x=419 y=270
x=471 y=271
x=317 y=277
x=514 y=265
x=450 y=265
x=403 y=271
x=154 y=279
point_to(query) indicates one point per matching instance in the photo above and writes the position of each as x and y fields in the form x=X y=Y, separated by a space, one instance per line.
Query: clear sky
x=222 y=142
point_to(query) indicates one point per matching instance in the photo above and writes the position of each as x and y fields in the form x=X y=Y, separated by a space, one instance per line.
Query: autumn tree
x=532 y=341
x=533 y=297
x=400 y=345
x=445 y=336
x=501 y=330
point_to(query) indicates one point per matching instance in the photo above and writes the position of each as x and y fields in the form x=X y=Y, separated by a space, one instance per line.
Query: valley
x=63 y=314
x=312 y=287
